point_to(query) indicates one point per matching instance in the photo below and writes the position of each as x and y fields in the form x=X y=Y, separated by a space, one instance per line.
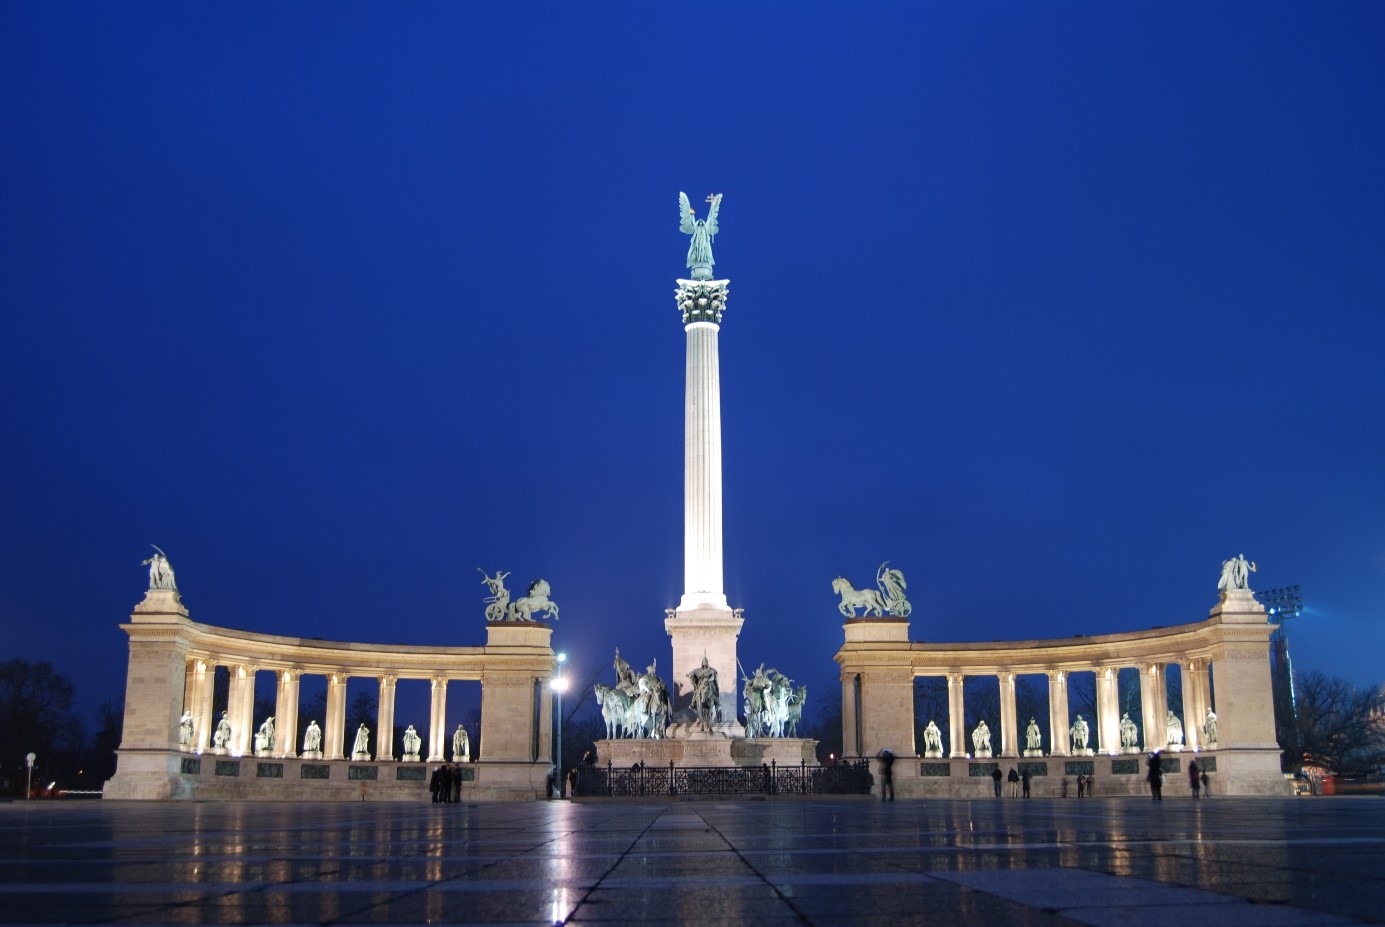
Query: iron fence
x=642 y=781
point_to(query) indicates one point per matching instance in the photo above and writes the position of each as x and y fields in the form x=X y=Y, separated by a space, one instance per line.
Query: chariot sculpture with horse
x=888 y=599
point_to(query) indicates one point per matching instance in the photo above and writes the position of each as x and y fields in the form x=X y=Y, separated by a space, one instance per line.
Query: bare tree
x=1341 y=727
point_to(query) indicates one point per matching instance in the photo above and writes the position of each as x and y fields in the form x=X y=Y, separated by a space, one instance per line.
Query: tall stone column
x=437 y=723
x=1196 y=674
x=200 y=704
x=334 y=734
x=1009 y=724
x=1154 y=705
x=384 y=720
x=1107 y=710
x=286 y=722
x=703 y=624
x=956 y=715
x=240 y=709
x=1059 y=744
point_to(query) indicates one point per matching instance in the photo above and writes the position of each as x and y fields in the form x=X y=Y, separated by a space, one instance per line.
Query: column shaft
x=384 y=720
x=702 y=506
x=437 y=724
x=1009 y=724
x=956 y=715
x=1107 y=710
x=286 y=724
x=334 y=735
x=1058 y=713
x=202 y=706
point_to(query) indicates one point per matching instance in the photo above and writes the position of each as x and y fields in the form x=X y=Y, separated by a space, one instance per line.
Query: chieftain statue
x=638 y=705
x=703 y=232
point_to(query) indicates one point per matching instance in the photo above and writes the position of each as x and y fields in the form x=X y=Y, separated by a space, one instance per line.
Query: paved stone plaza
x=1117 y=861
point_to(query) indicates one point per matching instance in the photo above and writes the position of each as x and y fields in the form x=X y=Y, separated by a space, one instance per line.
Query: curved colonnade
x=879 y=664
x=172 y=670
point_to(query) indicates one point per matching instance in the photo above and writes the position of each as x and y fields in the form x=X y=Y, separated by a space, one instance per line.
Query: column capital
x=702 y=300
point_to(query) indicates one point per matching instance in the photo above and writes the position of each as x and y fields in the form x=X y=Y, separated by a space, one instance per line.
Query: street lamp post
x=29 y=761
x=559 y=687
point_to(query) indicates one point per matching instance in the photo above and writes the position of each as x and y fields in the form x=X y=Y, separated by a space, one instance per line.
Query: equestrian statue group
x=534 y=602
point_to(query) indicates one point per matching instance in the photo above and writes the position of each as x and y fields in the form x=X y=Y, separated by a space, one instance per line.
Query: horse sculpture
x=523 y=608
x=615 y=710
x=853 y=598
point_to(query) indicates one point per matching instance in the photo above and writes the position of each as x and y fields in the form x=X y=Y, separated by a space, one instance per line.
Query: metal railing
x=642 y=781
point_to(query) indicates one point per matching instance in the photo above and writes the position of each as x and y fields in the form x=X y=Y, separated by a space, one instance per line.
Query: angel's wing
x=712 y=215
x=685 y=214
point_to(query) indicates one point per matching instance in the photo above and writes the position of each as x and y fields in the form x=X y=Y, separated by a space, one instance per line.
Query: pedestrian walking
x=1194 y=781
x=1024 y=779
x=1014 y=778
x=887 y=775
x=996 y=777
x=1155 y=776
x=1081 y=786
x=445 y=784
x=433 y=784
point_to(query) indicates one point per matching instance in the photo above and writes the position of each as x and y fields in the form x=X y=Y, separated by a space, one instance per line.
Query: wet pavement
x=1116 y=861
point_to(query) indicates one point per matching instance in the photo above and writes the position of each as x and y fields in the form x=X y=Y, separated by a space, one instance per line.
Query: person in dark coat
x=996 y=777
x=445 y=784
x=1014 y=779
x=434 y=782
x=886 y=775
x=1024 y=780
x=1155 y=776
x=457 y=783
x=1193 y=781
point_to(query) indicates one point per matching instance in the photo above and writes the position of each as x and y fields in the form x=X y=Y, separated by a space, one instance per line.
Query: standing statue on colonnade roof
x=1235 y=573
x=160 y=571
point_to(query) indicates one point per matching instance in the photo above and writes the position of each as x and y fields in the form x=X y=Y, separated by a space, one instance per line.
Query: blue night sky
x=1053 y=306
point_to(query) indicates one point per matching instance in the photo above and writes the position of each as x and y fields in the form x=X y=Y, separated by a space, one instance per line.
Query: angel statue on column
x=703 y=232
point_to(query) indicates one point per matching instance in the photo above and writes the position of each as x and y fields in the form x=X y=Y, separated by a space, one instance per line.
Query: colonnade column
x=1192 y=698
x=1154 y=702
x=1058 y=744
x=205 y=680
x=437 y=724
x=286 y=713
x=1197 y=674
x=956 y=715
x=1009 y=727
x=1107 y=710
x=240 y=709
x=384 y=720
x=334 y=737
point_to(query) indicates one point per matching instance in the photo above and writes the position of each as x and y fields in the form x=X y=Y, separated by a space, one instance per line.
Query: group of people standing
x=446 y=784
x=1198 y=780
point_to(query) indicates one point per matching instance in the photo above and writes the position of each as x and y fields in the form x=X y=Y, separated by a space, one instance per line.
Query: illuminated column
x=1153 y=699
x=384 y=720
x=437 y=724
x=1197 y=674
x=286 y=714
x=703 y=624
x=1009 y=726
x=334 y=736
x=202 y=717
x=1058 y=713
x=240 y=709
x=1107 y=710
x=956 y=714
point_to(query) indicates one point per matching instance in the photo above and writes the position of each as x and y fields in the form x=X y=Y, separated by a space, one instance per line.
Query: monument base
x=707 y=750
x=1033 y=753
x=171 y=774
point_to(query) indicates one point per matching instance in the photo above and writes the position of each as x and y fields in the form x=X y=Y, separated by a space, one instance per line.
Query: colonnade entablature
x=1223 y=664
x=173 y=662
